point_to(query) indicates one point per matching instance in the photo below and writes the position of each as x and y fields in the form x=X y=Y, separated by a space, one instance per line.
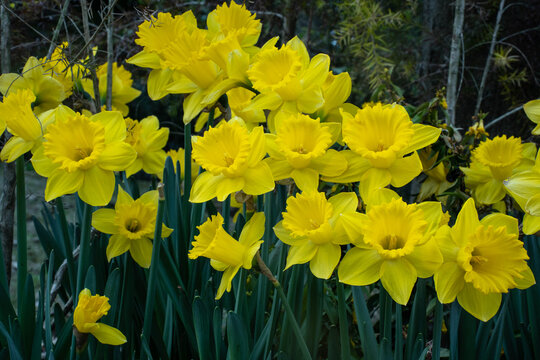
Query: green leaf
x=365 y=327
x=201 y=322
x=237 y=335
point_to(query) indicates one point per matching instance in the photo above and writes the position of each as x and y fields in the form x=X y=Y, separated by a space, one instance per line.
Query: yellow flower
x=299 y=150
x=394 y=242
x=524 y=187
x=131 y=224
x=122 y=92
x=88 y=311
x=27 y=129
x=59 y=68
x=148 y=140
x=494 y=161
x=232 y=159
x=226 y=253
x=336 y=90
x=532 y=109
x=178 y=156
x=80 y=154
x=379 y=137
x=435 y=182
x=477 y=130
x=482 y=259
x=49 y=92
x=286 y=76
x=235 y=20
x=311 y=226
x=239 y=99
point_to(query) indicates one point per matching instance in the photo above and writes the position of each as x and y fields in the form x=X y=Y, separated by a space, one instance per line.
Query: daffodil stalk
x=21 y=231
x=290 y=315
x=187 y=181
x=150 y=294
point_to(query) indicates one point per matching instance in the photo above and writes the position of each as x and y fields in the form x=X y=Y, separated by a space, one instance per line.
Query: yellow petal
x=338 y=92
x=253 y=230
x=426 y=258
x=117 y=156
x=145 y=59
x=118 y=245
x=351 y=225
x=285 y=236
x=306 y=179
x=265 y=101
x=281 y=169
x=61 y=183
x=398 y=278
x=258 y=180
x=531 y=224
x=489 y=192
x=432 y=214
x=158 y=81
x=115 y=126
x=533 y=205
x=526 y=281
x=141 y=252
x=103 y=220
x=345 y=202
x=106 y=334
x=181 y=85
x=228 y=186
x=14 y=148
x=360 y=267
x=205 y=187
x=424 y=135
x=42 y=164
x=448 y=282
x=9 y=83
x=324 y=262
x=98 y=186
x=123 y=197
x=193 y=105
x=258 y=146
x=301 y=254
x=405 y=169
x=332 y=163
x=374 y=179
x=226 y=280
x=310 y=100
x=466 y=223
x=497 y=220
x=532 y=109
x=481 y=306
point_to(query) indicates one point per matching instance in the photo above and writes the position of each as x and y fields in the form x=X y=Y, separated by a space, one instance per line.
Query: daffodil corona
x=226 y=253
x=482 y=259
x=311 y=226
x=394 y=242
x=131 y=224
x=89 y=310
x=232 y=158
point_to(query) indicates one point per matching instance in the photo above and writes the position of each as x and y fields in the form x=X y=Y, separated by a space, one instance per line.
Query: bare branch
x=453 y=65
x=57 y=29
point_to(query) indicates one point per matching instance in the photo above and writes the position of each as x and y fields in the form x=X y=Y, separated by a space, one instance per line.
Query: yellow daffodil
x=299 y=150
x=286 y=76
x=178 y=156
x=131 y=224
x=494 y=161
x=532 y=109
x=148 y=140
x=336 y=90
x=524 y=187
x=122 y=92
x=379 y=137
x=235 y=20
x=226 y=253
x=482 y=259
x=89 y=310
x=80 y=154
x=311 y=226
x=394 y=242
x=48 y=91
x=59 y=68
x=232 y=158
x=435 y=182
x=239 y=99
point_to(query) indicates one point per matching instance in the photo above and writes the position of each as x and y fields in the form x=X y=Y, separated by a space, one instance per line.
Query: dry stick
x=7 y=199
x=503 y=116
x=110 y=56
x=57 y=29
x=488 y=59
x=453 y=65
x=96 y=105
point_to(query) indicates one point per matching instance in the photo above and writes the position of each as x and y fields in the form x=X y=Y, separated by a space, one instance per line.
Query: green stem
x=437 y=327
x=84 y=248
x=67 y=242
x=22 y=267
x=152 y=282
x=187 y=179
x=226 y=212
x=290 y=315
x=343 y=323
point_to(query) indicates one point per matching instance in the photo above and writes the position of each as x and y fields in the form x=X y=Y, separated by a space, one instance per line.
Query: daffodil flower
x=524 y=187
x=226 y=253
x=311 y=226
x=482 y=259
x=494 y=161
x=435 y=182
x=394 y=242
x=232 y=158
x=380 y=137
x=80 y=154
x=131 y=224
x=90 y=308
x=122 y=92
x=49 y=92
x=299 y=150
x=148 y=140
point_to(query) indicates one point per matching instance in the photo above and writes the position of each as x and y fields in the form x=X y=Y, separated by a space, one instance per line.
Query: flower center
x=392 y=242
x=133 y=225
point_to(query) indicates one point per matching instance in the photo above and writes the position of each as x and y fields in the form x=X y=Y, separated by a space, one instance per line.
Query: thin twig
x=110 y=56
x=57 y=29
x=503 y=116
x=489 y=57
x=92 y=65
x=453 y=65
x=24 y=22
